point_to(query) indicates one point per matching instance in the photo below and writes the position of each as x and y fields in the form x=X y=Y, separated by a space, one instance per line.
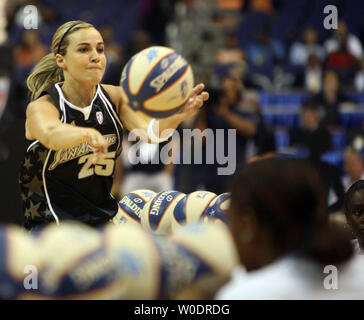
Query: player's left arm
x=138 y=122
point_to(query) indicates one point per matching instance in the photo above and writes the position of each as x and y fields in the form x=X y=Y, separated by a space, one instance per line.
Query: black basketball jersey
x=64 y=184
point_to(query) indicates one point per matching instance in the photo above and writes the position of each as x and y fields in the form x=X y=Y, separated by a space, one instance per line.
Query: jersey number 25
x=104 y=167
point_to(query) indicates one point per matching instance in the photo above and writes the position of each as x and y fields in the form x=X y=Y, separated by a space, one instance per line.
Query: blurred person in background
x=263 y=142
x=316 y=140
x=359 y=77
x=329 y=100
x=353 y=168
x=265 y=51
x=114 y=56
x=313 y=74
x=343 y=62
x=283 y=238
x=354 y=212
x=311 y=134
x=300 y=51
x=355 y=138
x=264 y=6
x=342 y=36
x=224 y=112
x=6 y=70
x=230 y=57
x=140 y=40
x=28 y=53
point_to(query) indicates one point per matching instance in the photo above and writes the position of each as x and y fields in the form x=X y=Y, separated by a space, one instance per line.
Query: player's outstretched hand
x=194 y=102
x=98 y=143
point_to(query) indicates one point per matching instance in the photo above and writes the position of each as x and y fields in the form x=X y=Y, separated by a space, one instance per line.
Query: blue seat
x=351 y=120
x=281 y=139
x=338 y=139
x=287 y=120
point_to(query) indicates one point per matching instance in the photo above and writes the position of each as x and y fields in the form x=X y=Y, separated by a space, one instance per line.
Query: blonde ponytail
x=47 y=73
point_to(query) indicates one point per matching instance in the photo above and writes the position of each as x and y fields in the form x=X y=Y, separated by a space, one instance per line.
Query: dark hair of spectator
x=287 y=197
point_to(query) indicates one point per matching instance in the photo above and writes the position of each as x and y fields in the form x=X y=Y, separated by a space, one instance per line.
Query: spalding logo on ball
x=157 y=214
x=131 y=205
x=157 y=81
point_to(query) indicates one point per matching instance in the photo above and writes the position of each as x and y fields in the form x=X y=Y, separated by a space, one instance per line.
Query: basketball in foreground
x=157 y=81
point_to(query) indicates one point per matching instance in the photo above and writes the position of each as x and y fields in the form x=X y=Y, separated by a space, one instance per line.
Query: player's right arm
x=43 y=123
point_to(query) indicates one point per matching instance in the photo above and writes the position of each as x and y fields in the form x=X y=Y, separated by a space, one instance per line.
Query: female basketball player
x=73 y=131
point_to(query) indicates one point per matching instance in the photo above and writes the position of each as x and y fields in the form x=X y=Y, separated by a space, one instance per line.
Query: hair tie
x=64 y=35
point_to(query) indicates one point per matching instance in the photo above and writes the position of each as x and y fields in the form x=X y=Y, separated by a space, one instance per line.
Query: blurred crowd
x=286 y=84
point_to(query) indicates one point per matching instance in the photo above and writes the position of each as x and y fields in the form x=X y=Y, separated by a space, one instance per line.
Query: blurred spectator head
x=141 y=40
x=231 y=88
x=310 y=117
x=354 y=209
x=230 y=4
x=310 y=36
x=278 y=206
x=230 y=59
x=353 y=164
x=342 y=31
x=230 y=40
x=107 y=33
x=265 y=6
x=263 y=37
x=113 y=50
x=331 y=81
x=30 y=38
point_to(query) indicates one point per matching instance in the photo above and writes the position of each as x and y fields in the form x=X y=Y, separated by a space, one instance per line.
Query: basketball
x=191 y=208
x=211 y=244
x=132 y=204
x=157 y=81
x=218 y=209
x=157 y=214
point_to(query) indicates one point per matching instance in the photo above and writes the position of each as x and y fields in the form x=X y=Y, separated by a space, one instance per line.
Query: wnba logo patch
x=100 y=117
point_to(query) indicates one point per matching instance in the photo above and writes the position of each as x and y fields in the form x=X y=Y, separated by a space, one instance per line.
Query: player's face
x=85 y=58
x=355 y=214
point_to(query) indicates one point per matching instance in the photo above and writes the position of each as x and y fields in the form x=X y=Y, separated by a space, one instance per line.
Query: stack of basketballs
x=165 y=212
x=153 y=249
